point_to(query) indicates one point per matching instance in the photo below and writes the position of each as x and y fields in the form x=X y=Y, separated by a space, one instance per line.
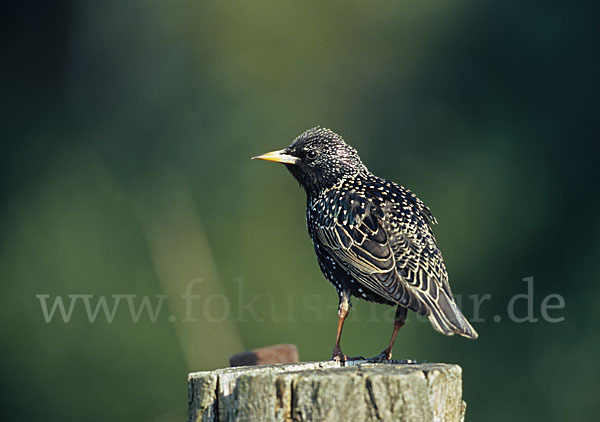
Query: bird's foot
x=382 y=357
x=341 y=358
x=338 y=356
x=386 y=356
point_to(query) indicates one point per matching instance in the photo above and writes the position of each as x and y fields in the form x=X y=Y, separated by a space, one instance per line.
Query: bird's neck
x=312 y=194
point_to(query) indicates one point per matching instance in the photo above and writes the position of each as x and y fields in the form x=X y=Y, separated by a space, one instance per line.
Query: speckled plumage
x=372 y=237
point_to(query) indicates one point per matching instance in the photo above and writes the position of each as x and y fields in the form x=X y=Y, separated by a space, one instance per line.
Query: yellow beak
x=278 y=157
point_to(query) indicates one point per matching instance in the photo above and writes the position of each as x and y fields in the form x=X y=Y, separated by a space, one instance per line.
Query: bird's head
x=318 y=159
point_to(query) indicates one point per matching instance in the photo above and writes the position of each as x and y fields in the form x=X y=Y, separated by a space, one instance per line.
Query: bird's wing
x=355 y=235
x=390 y=249
x=420 y=264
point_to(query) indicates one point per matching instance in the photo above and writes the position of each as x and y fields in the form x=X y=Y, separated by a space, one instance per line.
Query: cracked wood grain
x=326 y=391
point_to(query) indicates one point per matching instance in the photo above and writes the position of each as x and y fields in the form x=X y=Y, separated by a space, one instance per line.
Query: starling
x=373 y=238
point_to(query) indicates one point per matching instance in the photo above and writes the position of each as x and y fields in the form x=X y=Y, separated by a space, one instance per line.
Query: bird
x=373 y=238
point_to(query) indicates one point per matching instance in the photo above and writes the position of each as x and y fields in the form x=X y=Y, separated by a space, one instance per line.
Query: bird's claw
x=341 y=358
x=384 y=356
x=338 y=356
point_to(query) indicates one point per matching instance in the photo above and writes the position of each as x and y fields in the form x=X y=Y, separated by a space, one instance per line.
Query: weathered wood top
x=326 y=391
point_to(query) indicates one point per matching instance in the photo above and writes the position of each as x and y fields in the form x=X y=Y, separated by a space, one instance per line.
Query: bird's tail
x=446 y=318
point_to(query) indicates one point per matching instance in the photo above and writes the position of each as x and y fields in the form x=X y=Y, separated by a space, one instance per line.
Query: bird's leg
x=399 y=319
x=343 y=308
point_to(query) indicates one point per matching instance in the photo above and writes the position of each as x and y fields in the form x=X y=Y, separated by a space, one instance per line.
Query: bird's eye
x=312 y=154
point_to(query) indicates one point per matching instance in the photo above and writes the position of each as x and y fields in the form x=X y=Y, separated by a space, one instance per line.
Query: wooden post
x=326 y=391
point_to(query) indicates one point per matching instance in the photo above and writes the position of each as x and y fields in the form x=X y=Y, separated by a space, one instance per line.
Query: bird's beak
x=278 y=157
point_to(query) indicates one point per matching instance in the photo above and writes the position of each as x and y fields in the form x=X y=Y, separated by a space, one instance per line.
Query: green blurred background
x=127 y=131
